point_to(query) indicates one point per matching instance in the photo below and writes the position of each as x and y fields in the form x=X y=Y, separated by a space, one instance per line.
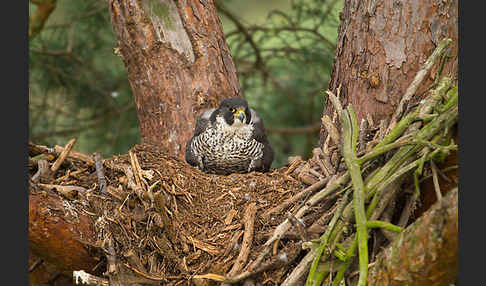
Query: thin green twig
x=316 y=278
x=384 y=225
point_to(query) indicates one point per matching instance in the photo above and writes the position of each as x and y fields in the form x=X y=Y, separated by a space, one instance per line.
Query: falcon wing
x=202 y=123
x=260 y=136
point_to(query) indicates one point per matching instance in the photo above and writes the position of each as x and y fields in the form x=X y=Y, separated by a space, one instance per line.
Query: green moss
x=159 y=9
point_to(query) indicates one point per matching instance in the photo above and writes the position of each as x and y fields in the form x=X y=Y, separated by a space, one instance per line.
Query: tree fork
x=178 y=64
x=380 y=47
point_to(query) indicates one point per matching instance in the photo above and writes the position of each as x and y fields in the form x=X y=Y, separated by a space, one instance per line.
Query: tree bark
x=380 y=47
x=426 y=252
x=178 y=64
x=59 y=235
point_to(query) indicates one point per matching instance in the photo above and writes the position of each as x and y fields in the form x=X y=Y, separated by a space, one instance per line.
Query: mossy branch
x=350 y=137
x=419 y=144
x=315 y=278
x=383 y=225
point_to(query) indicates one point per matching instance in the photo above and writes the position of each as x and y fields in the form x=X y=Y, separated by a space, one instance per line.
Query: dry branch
x=63 y=155
x=249 y=221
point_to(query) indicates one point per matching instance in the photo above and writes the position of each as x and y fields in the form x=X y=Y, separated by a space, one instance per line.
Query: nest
x=166 y=221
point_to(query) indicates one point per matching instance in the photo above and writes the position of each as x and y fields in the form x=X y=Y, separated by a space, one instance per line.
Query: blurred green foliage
x=283 y=52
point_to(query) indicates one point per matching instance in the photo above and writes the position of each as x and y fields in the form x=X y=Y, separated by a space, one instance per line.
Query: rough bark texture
x=380 y=47
x=59 y=235
x=178 y=64
x=426 y=252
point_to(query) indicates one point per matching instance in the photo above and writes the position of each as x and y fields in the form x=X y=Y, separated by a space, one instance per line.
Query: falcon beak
x=240 y=114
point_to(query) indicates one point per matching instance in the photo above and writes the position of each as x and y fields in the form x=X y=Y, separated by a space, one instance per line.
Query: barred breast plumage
x=230 y=139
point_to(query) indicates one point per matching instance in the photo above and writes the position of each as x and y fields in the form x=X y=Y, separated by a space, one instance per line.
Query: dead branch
x=99 y=171
x=83 y=278
x=304 y=193
x=63 y=155
x=249 y=220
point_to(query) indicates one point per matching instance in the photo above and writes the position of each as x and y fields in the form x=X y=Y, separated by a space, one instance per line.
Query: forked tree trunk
x=178 y=64
x=380 y=47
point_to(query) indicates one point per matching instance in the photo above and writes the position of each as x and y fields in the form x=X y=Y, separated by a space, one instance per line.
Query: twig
x=276 y=261
x=39 y=18
x=249 y=220
x=444 y=120
x=299 y=226
x=99 y=171
x=389 y=199
x=381 y=149
x=36 y=263
x=316 y=158
x=436 y=96
x=69 y=192
x=143 y=274
x=135 y=168
x=307 y=191
x=313 y=278
x=300 y=270
x=83 y=278
x=330 y=128
x=63 y=155
x=408 y=208
x=281 y=229
x=335 y=102
x=294 y=163
x=383 y=225
x=140 y=186
x=435 y=180
x=75 y=155
x=419 y=77
x=321 y=224
x=43 y=171
x=111 y=268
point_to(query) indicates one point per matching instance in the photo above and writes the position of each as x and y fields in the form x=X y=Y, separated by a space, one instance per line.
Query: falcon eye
x=233 y=110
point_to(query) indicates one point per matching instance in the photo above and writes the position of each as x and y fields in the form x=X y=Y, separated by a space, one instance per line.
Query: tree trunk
x=380 y=47
x=406 y=263
x=178 y=64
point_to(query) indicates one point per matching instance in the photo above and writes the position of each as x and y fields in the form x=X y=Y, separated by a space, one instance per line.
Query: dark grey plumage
x=229 y=139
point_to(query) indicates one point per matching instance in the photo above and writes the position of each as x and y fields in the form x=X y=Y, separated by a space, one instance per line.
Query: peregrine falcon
x=229 y=139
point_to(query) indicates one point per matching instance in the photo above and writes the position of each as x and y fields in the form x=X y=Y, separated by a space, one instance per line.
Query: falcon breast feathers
x=230 y=139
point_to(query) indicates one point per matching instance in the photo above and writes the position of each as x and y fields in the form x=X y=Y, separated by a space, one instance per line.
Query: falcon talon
x=230 y=139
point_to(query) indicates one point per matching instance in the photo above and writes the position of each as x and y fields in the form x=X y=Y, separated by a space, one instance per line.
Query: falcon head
x=234 y=111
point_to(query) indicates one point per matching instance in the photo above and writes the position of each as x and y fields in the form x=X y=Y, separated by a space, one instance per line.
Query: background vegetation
x=283 y=51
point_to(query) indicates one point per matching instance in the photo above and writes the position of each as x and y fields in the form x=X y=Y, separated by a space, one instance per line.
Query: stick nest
x=174 y=221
